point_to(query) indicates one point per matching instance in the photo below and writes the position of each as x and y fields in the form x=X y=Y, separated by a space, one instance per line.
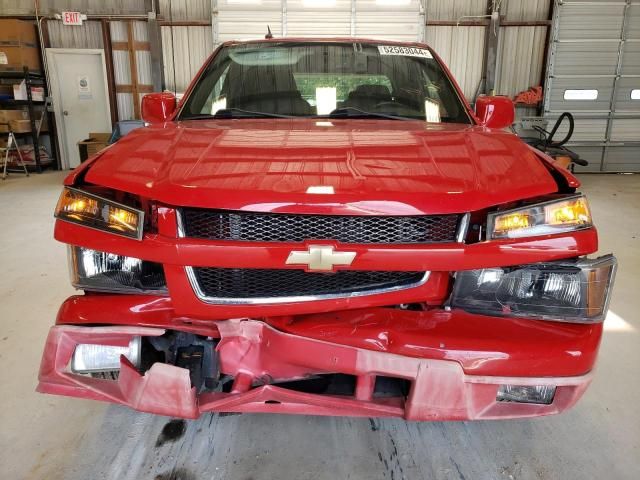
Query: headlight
x=556 y=216
x=96 y=212
x=564 y=291
x=108 y=272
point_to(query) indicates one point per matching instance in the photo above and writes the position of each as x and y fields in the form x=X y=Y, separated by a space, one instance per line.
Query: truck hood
x=363 y=167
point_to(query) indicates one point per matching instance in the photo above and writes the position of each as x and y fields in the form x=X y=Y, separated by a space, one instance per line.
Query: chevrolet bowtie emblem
x=320 y=258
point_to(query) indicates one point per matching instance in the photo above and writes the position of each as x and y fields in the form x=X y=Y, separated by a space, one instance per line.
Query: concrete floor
x=47 y=437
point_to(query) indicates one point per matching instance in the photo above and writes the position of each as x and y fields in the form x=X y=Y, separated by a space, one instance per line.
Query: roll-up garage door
x=401 y=20
x=594 y=73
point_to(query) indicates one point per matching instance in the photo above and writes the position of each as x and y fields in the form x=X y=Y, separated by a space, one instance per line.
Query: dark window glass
x=312 y=79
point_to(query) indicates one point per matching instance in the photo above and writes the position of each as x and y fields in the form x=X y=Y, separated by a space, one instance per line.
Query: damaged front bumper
x=256 y=355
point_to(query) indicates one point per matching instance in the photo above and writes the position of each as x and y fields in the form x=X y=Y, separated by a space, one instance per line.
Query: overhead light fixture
x=319 y=3
x=393 y=3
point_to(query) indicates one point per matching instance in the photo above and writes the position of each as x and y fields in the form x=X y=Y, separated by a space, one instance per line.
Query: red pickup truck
x=325 y=227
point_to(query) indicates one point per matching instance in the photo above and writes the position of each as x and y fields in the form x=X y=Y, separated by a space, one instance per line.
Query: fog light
x=89 y=358
x=542 y=394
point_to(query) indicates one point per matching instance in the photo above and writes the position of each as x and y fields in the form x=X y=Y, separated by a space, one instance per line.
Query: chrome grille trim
x=292 y=299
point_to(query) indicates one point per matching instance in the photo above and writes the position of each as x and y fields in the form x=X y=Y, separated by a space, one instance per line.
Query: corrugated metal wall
x=520 y=59
x=596 y=45
x=520 y=55
x=248 y=19
x=604 y=59
x=462 y=49
x=192 y=45
x=89 y=35
x=122 y=64
x=121 y=70
x=520 y=52
x=455 y=9
x=238 y=21
x=179 y=10
x=94 y=7
x=402 y=21
x=521 y=48
x=188 y=45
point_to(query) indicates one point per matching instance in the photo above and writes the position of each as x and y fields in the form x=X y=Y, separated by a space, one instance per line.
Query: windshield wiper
x=353 y=112
x=235 y=113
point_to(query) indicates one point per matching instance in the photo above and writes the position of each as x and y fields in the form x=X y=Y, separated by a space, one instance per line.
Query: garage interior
x=549 y=56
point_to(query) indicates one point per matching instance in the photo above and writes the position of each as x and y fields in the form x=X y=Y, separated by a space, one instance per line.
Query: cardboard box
x=4 y=127
x=14 y=58
x=92 y=145
x=100 y=136
x=18 y=45
x=7 y=115
x=45 y=121
x=20 y=126
x=20 y=92
x=37 y=94
x=18 y=32
x=28 y=156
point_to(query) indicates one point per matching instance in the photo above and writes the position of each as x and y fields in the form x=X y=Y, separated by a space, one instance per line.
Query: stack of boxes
x=92 y=145
x=15 y=120
x=18 y=46
x=18 y=49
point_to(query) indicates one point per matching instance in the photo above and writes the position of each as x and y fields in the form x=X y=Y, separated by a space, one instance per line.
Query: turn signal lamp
x=100 y=213
x=556 y=216
x=512 y=221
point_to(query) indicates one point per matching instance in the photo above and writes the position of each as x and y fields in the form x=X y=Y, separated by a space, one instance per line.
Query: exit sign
x=72 y=18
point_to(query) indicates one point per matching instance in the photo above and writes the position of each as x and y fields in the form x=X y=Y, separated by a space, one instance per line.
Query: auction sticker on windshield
x=404 y=51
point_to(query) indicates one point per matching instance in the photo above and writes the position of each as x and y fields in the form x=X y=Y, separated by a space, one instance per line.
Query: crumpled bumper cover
x=252 y=351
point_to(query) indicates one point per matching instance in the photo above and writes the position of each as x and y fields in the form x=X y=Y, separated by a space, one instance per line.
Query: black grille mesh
x=270 y=227
x=263 y=283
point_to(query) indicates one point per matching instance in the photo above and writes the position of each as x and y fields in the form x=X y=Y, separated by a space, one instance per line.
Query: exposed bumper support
x=253 y=352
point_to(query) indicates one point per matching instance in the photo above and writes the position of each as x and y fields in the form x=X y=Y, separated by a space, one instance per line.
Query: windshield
x=311 y=79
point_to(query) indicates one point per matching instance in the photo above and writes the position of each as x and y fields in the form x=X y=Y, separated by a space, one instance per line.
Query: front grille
x=238 y=283
x=276 y=227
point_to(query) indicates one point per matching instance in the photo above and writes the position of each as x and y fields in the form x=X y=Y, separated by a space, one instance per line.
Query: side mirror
x=158 y=107
x=495 y=112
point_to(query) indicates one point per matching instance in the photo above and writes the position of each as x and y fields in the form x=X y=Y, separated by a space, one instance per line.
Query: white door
x=78 y=79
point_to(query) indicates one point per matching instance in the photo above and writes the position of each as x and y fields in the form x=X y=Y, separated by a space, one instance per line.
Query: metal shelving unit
x=31 y=79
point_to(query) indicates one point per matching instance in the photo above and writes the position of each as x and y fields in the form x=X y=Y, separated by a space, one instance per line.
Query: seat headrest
x=371 y=91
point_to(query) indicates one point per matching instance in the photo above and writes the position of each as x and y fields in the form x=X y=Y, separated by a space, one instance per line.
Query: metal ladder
x=12 y=142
